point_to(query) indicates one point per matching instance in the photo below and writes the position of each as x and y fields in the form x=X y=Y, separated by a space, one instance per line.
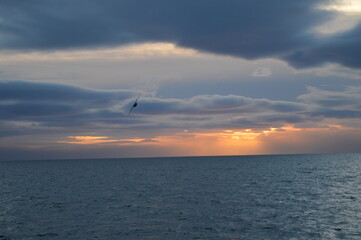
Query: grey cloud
x=334 y=113
x=248 y=29
x=282 y=106
x=43 y=102
x=262 y=72
x=267 y=120
x=191 y=118
x=88 y=108
x=250 y=123
x=218 y=102
x=285 y=118
x=215 y=104
x=350 y=98
x=29 y=109
x=161 y=106
x=331 y=141
x=332 y=104
x=37 y=91
x=343 y=48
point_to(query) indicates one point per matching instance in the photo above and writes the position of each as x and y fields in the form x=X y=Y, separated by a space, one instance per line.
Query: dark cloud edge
x=250 y=29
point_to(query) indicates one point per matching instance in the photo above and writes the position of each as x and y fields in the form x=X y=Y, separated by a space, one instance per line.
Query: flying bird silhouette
x=134 y=104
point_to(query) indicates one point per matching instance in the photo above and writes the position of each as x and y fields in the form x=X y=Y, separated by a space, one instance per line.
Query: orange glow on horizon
x=88 y=140
x=287 y=139
x=219 y=142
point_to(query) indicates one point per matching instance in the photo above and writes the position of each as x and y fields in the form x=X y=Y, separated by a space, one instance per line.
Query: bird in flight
x=134 y=104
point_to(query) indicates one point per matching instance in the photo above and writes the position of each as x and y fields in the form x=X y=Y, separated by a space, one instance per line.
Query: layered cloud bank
x=59 y=114
x=215 y=77
x=15 y=95
x=247 y=29
x=52 y=104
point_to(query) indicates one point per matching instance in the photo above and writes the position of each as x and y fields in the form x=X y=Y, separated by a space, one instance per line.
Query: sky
x=214 y=78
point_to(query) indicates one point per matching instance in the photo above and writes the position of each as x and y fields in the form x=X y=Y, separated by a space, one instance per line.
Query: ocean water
x=240 y=197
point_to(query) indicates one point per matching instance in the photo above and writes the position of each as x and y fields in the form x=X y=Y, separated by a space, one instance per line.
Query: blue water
x=248 y=197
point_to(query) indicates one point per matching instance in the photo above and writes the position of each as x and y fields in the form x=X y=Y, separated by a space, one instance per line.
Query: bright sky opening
x=215 y=79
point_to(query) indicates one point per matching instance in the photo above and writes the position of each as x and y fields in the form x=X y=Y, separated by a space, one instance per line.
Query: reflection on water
x=249 y=197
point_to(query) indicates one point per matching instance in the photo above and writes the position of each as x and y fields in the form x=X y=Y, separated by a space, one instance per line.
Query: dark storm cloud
x=249 y=29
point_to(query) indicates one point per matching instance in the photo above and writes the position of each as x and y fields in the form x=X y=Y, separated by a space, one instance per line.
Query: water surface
x=246 y=197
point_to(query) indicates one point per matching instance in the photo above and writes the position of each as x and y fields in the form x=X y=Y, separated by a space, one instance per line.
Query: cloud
x=88 y=140
x=332 y=104
x=286 y=140
x=46 y=102
x=342 y=48
x=36 y=91
x=37 y=108
x=319 y=140
x=248 y=29
x=282 y=118
x=9 y=111
x=36 y=121
x=350 y=98
x=262 y=72
x=215 y=104
x=331 y=113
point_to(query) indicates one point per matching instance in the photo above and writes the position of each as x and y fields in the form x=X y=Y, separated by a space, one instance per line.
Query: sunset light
x=347 y=15
x=217 y=142
x=180 y=119
x=345 y=6
x=209 y=87
x=132 y=52
x=99 y=140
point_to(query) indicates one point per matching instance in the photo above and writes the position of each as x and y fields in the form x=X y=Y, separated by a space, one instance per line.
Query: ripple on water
x=257 y=197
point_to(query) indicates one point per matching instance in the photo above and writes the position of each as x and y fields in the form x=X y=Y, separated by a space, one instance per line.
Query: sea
x=232 y=197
